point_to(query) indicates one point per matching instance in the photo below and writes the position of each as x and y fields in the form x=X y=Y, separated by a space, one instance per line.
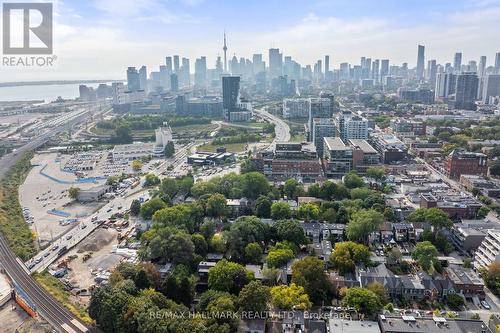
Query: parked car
x=485 y=305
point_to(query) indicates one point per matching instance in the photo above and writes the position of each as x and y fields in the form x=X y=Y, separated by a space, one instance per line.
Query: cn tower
x=225 y=55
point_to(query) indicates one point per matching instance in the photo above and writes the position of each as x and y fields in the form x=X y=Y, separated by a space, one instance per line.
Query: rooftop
x=363 y=145
x=335 y=144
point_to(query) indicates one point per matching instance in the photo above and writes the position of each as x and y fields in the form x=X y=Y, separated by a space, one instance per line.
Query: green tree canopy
x=135 y=207
x=362 y=224
x=216 y=205
x=279 y=257
x=291 y=231
x=425 y=254
x=310 y=274
x=352 y=180
x=290 y=297
x=169 y=149
x=436 y=217
x=280 y=210
x=263 y=206
x=227 y=276
x=245 y=230
x=254 y=297
x=151 y=206
x=308 y=211
x=253 y=253
x=362 y=300
x=346 y=255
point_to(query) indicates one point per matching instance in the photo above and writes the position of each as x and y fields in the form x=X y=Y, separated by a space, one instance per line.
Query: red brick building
x=460 y=162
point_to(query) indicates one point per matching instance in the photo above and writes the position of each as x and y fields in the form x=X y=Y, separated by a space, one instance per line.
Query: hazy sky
x=100 y=38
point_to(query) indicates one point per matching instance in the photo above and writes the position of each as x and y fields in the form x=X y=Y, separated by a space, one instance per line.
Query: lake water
x=47 y=93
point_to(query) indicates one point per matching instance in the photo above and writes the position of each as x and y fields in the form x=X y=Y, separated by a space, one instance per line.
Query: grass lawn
x=12 y=224
x=230 y=147
x=56 y=289
x=298 y=137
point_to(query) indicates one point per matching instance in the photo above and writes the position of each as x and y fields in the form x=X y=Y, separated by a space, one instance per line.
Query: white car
x=485 y=305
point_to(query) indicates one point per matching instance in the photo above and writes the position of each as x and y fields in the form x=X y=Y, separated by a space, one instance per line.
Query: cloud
x=113 y=36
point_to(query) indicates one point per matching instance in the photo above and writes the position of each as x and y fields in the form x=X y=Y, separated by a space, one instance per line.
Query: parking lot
x=40 y=194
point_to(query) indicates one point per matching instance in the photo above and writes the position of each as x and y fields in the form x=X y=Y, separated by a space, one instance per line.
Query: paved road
x=281 y=128
x=47 y=307
x=43 y=259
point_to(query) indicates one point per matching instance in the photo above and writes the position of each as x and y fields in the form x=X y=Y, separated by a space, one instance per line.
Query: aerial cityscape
x=331 y=183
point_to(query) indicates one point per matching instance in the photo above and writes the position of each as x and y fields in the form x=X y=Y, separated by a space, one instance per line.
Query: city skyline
x=98 y=39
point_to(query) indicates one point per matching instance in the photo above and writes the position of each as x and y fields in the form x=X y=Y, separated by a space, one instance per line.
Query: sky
x=99 y=39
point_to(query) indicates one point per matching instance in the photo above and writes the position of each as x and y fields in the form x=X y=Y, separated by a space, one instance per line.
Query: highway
x=8 y=160
x=281 y=128
x=56 y=314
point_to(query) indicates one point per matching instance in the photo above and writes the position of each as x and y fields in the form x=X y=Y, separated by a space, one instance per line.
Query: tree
x=310 y=274
x=200 y=244
x=217 y=244
x=376 y=173
x=483 y=212
x=362 y=300
x=151 y=180
x=167 y=244
x=360 y=193
x=136 y=165
x=291 y=297
x=216 y=205
x=106 y=307
x=73 y=192
x=151 y=206
x=292 y=189
x=362 y=224
x=263 y=206
x=227 y=276
x=454 y=301
x=491 y=276
x=169 y=187
x=207 y=229
x=280 y=210
x=314 y=190
x=291 y=231
x=135 y=207
x=183 y=216
x=179 y=285
x=390 y=214
x=346 y=255
x=254 y=185
x=352 y=180
x=379 y=289
x=254 y=297
x=123 y=134
x=279 y=257
x=248 y=166
x=253 y=253
x=436 y=217
x=169 y=149
x=329 y=215
x=425 y=255
x=245 y=230
x=308 y=211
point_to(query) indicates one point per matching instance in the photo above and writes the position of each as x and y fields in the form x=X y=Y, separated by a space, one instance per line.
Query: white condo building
x=489 y=250
x=296 y=107
x=163 y=137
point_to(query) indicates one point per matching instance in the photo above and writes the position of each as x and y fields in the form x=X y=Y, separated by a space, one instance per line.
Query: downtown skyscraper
x=420 y=62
